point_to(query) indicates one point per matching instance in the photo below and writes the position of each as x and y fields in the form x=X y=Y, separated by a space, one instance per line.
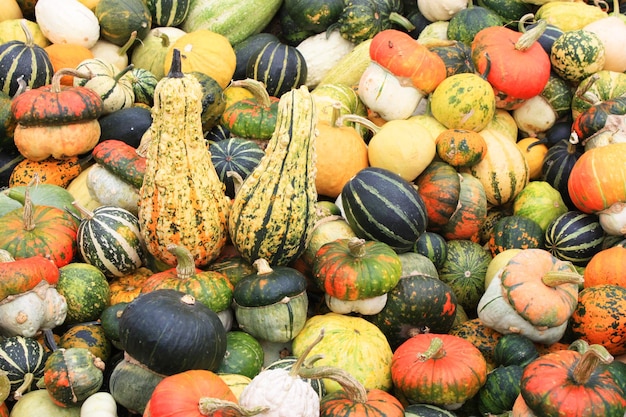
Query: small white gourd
x=321 y=52
x=67 y=21
x=100 y=404
x=441 y=9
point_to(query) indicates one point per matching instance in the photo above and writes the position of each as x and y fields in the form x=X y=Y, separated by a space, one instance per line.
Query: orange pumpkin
x=534 y=152
x=128 y=287
x=408 y=60
x=340 y=152
x=67 y=55
x=461 y=147
x=607 y=267
x=597 y=179
x=48 y=171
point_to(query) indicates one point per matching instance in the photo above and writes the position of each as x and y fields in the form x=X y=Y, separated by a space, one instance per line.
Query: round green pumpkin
x=85 y=289
x=539 y=201
x=244 y=355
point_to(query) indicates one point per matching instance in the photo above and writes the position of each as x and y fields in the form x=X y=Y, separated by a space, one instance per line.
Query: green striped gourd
x=109 y=238
x=273 y=213
x=22 y=357
x=503 y=171
x=574 y=236
x=182 y=199
x=168 y=12
x=24 y=59
x=235 y=155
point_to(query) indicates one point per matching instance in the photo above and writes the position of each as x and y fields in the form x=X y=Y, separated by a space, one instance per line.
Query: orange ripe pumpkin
x=340 y=152
x=48 y=171
x=461 y=147
x=607 y=267
x=407 y=59
x=65 y=55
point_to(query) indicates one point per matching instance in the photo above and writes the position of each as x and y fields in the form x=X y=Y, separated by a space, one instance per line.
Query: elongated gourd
x=272 y=214
x=182 y=199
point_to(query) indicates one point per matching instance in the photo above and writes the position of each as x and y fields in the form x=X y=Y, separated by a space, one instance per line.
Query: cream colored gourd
x=109 y=189
x=67 y=21
x=321 y=52
x=100 y=404
x=440 y=10
x=28 y=313
x=182 y=199
x=612 y=32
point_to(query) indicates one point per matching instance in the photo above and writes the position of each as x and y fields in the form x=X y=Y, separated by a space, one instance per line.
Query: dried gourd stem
x=521 y=25
x=529 y=37
x=88 y=214
x=185 y=264
x=579 y=345
x=435 y=350
x=29 y=223
x=357 y=247
x=327 y=219
x=123 y=72
x=584 y=93
x=237 y=180
x=295 y=369
x=262 y=266
x=25 y=386
x=131 y=40
x=56 y=78
x=556 y=278
x=257 y=88
x=30 y=39
x=209 y=406
x=336 y=112
x=603 y=5
x=354 y=389
x=355 y=118
x=589 y=361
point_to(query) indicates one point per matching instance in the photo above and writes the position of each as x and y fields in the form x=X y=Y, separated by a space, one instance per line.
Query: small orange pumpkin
x=607 y=267
x=461 y=147
x=67 y=55
x=128 y=287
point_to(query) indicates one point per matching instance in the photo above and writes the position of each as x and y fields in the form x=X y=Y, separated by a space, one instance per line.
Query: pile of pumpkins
x=312 y=208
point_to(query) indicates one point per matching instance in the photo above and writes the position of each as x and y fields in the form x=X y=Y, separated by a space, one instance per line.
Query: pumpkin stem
x=555 y=278
x=529 y=37
x=401 y=21
x=354 y=389
x=165 y=40
x=335 y=114
x=521 y=25
x=579 y=345
x=585 y=92
x=131 y=40
x=30 y=40
x=355 y=118
x=22 y=86
x=25 y=386
x=589 y=361
x=83 y=210
x=357 y=247
x=296 y=368
x=176 y=67
x=29 y=224
x=56 y=78
x=48 y=338
x=185 y=264
x=257 y=88
x=209 y=406
x=237 y=180
x=123 y=72
x=262 y=266
x=435 y=350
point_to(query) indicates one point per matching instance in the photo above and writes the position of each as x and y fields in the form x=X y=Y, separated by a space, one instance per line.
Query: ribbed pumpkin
x=608 y=266
x=272 y=214
x=182 y=199
x=23 y=59
x=597 y=179
x=438 y=369
x=279 y=66
x=234 y=155
x=471 y=212
x=439 y=185
x=503 y=171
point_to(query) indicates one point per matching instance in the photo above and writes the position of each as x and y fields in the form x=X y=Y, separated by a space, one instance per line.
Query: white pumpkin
x=366 y=306
x=100 y=404
x=111 y=190
x=383 y=93
x=321 y=52
x=534 y=116
x=67 y=21
x=612 y=32
x=440 y=9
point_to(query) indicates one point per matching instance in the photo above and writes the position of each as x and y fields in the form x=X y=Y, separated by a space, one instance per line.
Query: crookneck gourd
x=273 y=212
x=182 y=199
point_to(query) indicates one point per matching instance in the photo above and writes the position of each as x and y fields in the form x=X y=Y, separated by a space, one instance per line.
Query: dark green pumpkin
x=509 y=10
x=247 y=48
x=131 y=385
x=244 y=355
x=266 y=287
x=144 y=83
x=25 y=60
x=279 y=66
x=464 y=270
x=574 y=236
x=110 y=320
x=433 y=246
x=315 y=16
x=457 y=56
x=363 y=19
x=9 y=158
x=417 y=304
x=168 y=332
x=514 y=349
x=7 y=123
x=515 y=232
x=500 y=390
x=233 y=267
x=415 y=264
x=380 y=205
x=466 y=23
x=290 y=32
x=120 y=18
x=234 y=155
x=23 y=359
x=127 y=125
x=168 y=12
x=557 y=166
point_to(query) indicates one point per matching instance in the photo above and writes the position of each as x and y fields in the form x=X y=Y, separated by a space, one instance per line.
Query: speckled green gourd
x=273 y=213
x=182 y=199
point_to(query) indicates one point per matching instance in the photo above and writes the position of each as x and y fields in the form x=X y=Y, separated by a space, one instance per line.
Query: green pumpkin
x=213 y=103
x=539 y=201
x=244 y=355
x=516 y=232
x=363 y=19
x=466 y=23
x=577 y=54
x=501 y=389
x=433 y=246
x=85 y=289
x=315 y=16
x=131 y=384
x=514 y=349
x=253 y=118
x=119 y=18
x=235 y=155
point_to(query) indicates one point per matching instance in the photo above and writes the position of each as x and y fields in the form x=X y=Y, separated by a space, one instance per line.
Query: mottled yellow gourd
x=182 y=199
x=273 y=213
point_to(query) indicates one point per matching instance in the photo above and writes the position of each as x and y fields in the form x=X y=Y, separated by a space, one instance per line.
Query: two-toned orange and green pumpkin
x=211 y=288
x=252 y=118
x=42 y=230
x=438 y=369
x=582 y=378
x=182 y=199
x=18 y=276
x=273 y=213
x=121 y=159
x=600 y=119
x=55 y=120
x=519 y=68
x=71 y=375
x=189 y=336
x=356 y=273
